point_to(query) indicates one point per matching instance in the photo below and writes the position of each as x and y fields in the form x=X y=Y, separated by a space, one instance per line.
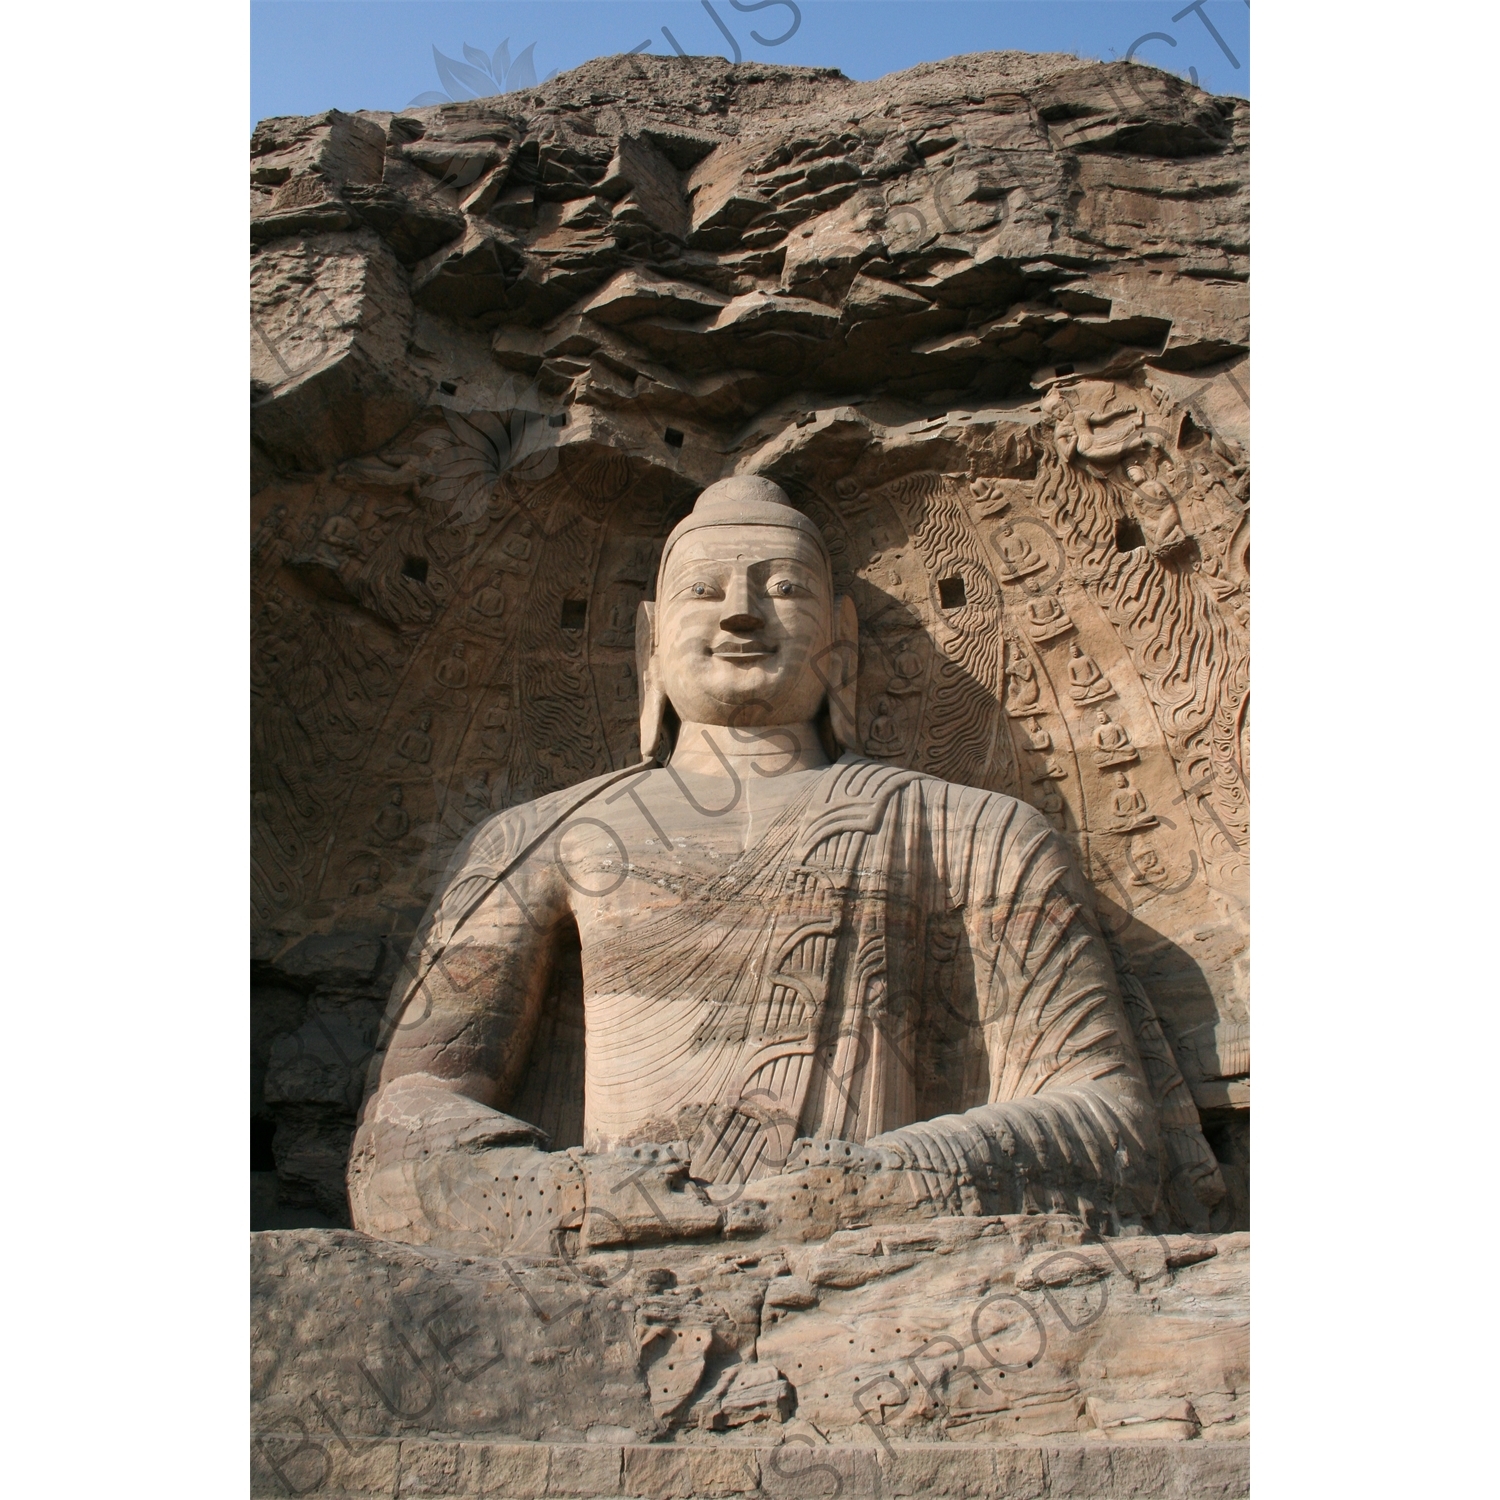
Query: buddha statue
x=884 y=737
x=1018 y=557
x=1046 y=618
x=1129 y=806
x=488 y=603
x=1086 y=683
x=758 y=906
x=1024 y=695
x=1112 y=746
x=416 y=744
x=392 y=821
x=1050 y=802
x=453 y=671
x=1037 y=736
x=907 y=669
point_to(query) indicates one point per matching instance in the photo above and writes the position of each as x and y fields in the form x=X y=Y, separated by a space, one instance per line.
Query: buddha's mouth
x=744 y=650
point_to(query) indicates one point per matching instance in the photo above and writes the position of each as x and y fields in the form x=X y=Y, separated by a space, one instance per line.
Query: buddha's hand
x=643 y=1195
x=951 y=1166
x=431 y=1167
x=827 y=1184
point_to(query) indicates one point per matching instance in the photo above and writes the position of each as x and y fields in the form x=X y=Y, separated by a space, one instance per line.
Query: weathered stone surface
x=949 y=1471
x=985 y=324
x=1006 y=1331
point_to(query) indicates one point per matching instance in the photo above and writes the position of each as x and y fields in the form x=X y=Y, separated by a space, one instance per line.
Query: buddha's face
x=744 y=618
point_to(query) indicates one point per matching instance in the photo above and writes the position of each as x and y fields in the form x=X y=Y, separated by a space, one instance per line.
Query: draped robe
x=893 y=959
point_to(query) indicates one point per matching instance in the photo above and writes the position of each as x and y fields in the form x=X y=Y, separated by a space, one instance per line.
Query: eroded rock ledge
x=866 y=1352
x=703 y=239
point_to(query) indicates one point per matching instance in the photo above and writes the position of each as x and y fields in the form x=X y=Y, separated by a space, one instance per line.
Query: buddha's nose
x=739 y=611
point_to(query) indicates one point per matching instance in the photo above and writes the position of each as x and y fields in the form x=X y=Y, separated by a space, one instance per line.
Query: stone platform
x=1014 y=1355
x=1077 y=1470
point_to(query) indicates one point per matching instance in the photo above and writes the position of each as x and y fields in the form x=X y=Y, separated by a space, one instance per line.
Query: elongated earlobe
x=653 y=697
x=843 y=674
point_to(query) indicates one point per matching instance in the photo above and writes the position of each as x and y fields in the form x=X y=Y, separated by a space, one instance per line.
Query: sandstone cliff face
x=986 y=321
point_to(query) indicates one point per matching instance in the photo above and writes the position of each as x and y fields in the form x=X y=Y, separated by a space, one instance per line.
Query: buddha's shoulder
x=860 y=776
x=503 y=834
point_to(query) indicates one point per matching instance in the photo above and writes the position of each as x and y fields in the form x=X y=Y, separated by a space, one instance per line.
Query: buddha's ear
x=841 y=674
x=653 y=696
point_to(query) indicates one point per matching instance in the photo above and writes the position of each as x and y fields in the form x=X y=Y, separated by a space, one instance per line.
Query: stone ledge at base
x=332 y=1468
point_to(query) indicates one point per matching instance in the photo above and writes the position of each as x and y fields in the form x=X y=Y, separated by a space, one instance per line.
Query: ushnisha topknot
x=744 y=500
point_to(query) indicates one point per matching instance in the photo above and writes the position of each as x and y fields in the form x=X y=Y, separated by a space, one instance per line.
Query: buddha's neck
x=715 y=749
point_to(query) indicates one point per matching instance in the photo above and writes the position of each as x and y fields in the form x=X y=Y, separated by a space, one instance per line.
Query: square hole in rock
x=951 y=592
x=415 y=567
x=574 y=613
x=672 y=438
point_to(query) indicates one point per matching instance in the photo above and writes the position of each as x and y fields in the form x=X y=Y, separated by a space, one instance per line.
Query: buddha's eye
x=781 y=588
x=700 y=591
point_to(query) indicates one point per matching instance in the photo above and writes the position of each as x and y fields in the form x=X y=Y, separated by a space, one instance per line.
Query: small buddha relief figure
x=488 y=603
x=1049 y=803
x=392 y=821
x=363 y=871
x=990 y=499
x=497 y=728
x=1129 y=808
x=1018 y=558
x=1086 y=683
x=1156 y=510
x=1148 y=867
x=1112 y=746
x=740 y=1030
x=416 y=744
x=517 y=558
x=907 y=671
x=619 y=629
x=1047 y=769
x=1038 y=737
x=884 y=738
x=1046 y=617
x=1024 y=698
x=478 y=798
x=453 y=672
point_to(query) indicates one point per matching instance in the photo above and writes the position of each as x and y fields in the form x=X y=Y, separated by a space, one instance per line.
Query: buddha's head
x=746 y=630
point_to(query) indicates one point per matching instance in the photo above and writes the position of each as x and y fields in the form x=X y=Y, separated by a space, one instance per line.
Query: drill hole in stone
x=415 y=568
x=574 y=614
x=1128 y=535
x=672 y=438
x=262 y=1133
x=1062 y=369
x=448 y=387
x=951 y=592
x=558 y=419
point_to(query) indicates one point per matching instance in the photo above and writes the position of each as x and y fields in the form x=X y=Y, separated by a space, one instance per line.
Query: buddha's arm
x=435 y=1160
x=1070 y=1119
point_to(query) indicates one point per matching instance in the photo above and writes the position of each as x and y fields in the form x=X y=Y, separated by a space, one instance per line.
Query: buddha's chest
x=693 y=846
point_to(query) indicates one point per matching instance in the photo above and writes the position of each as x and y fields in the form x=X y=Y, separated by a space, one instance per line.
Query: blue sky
x=311 y=55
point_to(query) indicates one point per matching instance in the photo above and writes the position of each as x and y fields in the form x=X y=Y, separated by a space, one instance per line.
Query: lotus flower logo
x=483 y=74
